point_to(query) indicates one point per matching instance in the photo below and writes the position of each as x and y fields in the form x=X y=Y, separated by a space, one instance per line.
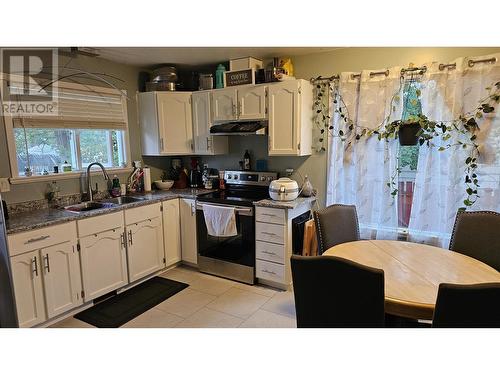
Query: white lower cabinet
x=187 y=208
x=145 y=251
x=28 y=288
x=172 y=232
x=103 y=254
x=45 y=272
x=61 y=278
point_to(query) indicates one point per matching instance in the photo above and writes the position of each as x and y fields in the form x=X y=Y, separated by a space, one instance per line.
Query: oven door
x=226 y=255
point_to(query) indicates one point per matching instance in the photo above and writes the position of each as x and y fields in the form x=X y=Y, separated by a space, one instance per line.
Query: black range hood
x=239 y=128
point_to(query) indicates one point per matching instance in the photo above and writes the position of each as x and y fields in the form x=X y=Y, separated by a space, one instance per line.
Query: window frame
x=8 y=119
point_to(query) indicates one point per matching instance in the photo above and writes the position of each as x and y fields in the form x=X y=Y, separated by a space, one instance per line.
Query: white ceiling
x=145 y=56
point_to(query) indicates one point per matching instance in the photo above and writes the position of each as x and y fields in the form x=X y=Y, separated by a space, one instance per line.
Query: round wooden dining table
x=413 y=272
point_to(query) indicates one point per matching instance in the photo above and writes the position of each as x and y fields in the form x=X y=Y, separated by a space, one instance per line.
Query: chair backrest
x=476 y=234
x=467 y=306
x=336 y=224
x=333 y=292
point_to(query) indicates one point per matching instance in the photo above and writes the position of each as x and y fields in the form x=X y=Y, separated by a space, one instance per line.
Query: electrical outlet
x=4 y=185
x=289 y=171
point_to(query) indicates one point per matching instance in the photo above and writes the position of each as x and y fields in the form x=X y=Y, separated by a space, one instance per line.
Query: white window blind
x=78 y=106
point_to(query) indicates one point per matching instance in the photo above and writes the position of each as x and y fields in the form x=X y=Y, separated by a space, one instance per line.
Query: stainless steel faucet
x=89 y=182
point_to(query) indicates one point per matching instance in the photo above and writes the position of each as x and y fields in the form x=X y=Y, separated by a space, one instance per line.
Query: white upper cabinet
x=166 y=123
x=252 y=102
x=204 y=143
x=243 y=103
x=224 y=105
x=290 y=118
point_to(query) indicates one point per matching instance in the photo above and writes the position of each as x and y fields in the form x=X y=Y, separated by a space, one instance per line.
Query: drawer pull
x=269 y=272
x=35 y=268
x=272 y=215
x=269 y=233
x=36 y=239
x=268 y=252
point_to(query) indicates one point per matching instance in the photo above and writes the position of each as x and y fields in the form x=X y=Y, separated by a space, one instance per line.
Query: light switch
x=4 y=185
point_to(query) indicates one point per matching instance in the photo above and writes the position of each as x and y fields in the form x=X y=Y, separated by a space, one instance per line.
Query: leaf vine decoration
x=460 y=132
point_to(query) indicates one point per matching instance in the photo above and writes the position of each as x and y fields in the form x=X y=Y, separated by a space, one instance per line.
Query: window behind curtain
x=408 y=155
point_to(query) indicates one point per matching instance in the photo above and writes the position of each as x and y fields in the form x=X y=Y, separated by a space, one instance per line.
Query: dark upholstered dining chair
x=467 y=306
x=332 y=292
x=336 y=224
x=477 y=234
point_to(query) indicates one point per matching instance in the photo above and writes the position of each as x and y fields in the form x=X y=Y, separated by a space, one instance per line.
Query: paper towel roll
x=147 y=179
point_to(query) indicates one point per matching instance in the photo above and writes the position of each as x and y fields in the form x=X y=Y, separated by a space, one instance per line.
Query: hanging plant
x=416 y=129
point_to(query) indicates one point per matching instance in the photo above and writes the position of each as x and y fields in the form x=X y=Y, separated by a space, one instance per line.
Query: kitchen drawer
x=40 y=238
x=270 y=215
x=270 y=271
x=270 y=233
x=100 y=223
x=270 y=251
x=137 y=214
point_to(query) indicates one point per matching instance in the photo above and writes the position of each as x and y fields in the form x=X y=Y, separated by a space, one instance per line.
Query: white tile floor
x=213 y=302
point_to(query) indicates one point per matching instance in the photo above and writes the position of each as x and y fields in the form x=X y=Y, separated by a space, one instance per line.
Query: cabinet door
x=148 y=122
x=224 y=105
x=171 y=231
x=187 y=209
x=201 y=122
x=28 y=289
x=104 y=263
x=252 y=103
x=175 y=122
x=145 y=248
x=61 y=278
x=283 y=118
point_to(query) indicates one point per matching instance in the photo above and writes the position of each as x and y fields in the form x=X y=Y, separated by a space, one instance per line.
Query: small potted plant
x=409 y=131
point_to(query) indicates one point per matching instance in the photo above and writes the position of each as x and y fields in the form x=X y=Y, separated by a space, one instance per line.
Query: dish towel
x=220 y=221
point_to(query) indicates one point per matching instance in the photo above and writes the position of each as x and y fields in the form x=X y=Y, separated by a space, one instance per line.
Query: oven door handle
x=247 y=211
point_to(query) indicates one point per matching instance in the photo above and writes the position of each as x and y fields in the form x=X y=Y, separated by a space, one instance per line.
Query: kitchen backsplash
x=255 y=144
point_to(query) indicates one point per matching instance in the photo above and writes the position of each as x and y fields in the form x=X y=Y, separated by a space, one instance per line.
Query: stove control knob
x=235 y=176
x=229 y=176
x=263 y=178
x=269 y=178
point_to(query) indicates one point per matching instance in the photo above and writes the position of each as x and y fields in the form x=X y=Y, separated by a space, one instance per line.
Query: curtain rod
x=404 y=71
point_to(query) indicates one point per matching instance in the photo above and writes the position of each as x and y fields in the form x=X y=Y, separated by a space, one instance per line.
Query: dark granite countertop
x=50 y=216
x=288 y=205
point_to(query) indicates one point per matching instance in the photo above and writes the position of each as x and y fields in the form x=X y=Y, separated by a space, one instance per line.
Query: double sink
x=106 y=203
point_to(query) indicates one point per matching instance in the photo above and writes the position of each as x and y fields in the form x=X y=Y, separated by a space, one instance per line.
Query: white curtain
x=358 y=173
x=439 y=186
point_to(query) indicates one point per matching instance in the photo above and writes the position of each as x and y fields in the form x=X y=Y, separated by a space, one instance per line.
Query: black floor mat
x=118 y=310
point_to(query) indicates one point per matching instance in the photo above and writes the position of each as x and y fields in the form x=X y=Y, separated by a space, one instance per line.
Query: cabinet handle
x=130 y=240
x=269 y=272
x=35 y=264
x=240 y=106
x=47 y=263
x=124 y=243
x=36 y=239
x=234 y=110
x=269 y=252
x=208 y=143
x=193 y=209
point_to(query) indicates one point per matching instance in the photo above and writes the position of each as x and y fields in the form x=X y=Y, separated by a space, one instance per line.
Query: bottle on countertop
x=66 y=167
x=246 y=161
x=115 y=187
